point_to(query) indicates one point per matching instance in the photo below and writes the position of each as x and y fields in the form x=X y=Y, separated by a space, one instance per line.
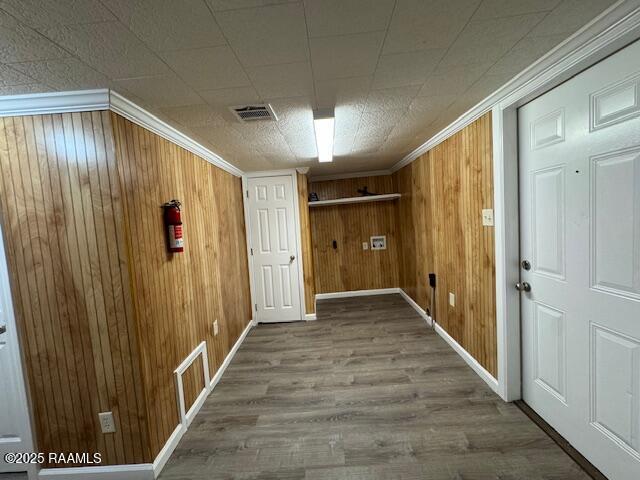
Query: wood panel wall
x=307 y=246
x=105 y=314
x=178 y=297
x=63 y=221
x=349 y=267
x=440 y=222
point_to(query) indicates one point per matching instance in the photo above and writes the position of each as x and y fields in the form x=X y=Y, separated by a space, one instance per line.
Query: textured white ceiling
x=396 y=71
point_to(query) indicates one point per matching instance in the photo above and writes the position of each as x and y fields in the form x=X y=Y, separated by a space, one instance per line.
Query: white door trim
x=614 y=29
x=298 y=228
x=14 y=341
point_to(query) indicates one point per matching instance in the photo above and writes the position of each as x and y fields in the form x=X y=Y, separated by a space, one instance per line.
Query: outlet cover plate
x=107 y=424
x=487 y=217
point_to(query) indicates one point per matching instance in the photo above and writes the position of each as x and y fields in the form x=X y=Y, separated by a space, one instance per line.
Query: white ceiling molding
x=54 y=102
x=142 y=117
x=105 y=99
x=608 y=32
x=341 y=176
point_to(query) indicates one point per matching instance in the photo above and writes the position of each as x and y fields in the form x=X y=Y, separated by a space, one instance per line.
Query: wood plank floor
x=367 y=391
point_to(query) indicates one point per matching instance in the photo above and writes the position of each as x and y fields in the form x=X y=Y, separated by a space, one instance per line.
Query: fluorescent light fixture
x=324 y=123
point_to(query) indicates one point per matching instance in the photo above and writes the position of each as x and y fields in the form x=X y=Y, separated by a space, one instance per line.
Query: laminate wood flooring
x=367 y=391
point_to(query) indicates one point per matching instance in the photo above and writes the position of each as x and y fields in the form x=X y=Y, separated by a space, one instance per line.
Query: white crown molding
x=342 y=176
x=137 y=114
x=54 y=102
x=600 y=37
x=105 y=99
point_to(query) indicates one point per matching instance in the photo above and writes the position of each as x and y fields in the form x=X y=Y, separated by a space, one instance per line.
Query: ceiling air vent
x=252 y=113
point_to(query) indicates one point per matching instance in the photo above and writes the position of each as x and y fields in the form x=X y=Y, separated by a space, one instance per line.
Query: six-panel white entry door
x=274 y=248
x=579 y=154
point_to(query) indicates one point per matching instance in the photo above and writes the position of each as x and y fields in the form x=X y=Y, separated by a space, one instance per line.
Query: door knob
x=523 y=287
x=292 y=258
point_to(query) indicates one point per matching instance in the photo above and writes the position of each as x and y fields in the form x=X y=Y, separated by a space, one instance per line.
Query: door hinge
x=256 y=306
x=252 y=251
x=247 y=193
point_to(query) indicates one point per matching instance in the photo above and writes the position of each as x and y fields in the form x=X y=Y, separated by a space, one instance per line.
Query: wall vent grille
x=253 y=113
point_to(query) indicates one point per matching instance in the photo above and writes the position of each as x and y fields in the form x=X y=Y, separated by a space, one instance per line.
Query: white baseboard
x=472 y=362
x=357 y=293
x=163 y=457
x=310 y=316
x=141 y=471
x=145 y=471
x=216 y=378
x=416 y=307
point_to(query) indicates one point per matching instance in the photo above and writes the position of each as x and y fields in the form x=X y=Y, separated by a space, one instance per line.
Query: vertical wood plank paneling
x=62 y=220
x=440 y=224
x=178 y=297
x=349 y=267
x=105 y=314
x=307 y=245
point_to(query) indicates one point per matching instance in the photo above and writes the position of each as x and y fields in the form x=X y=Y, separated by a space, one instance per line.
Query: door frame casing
x=617 y=28
x=247 y=222
x=17 y=360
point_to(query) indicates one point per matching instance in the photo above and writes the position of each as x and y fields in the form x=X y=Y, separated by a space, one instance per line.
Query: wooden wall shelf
x=368 y=198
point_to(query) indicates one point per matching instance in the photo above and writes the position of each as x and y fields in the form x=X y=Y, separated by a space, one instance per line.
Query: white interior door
x=579 y=149
x=15 y=429
x=274 y=248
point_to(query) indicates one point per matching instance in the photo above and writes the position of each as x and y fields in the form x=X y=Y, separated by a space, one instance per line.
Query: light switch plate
x=365 y=245
x=452 y=299
x=215 y=328
x=487 y=217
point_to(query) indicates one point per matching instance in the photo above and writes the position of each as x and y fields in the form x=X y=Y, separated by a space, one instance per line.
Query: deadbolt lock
x=526 y=265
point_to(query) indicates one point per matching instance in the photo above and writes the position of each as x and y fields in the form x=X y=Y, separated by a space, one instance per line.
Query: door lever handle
x=523 y=287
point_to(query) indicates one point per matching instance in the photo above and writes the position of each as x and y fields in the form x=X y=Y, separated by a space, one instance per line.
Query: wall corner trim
x=310 y=317
x=602 y=34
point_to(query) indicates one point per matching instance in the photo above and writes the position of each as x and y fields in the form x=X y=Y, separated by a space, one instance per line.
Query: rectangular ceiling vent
x=252 y=113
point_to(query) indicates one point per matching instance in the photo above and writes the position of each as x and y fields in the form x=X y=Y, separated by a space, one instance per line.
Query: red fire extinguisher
x=173 y=225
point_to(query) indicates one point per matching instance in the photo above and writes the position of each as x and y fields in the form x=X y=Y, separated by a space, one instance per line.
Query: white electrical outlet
x=365 y=245
x=487 y=217
x=452 y=299
x=215 y=328
x=107 y=424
